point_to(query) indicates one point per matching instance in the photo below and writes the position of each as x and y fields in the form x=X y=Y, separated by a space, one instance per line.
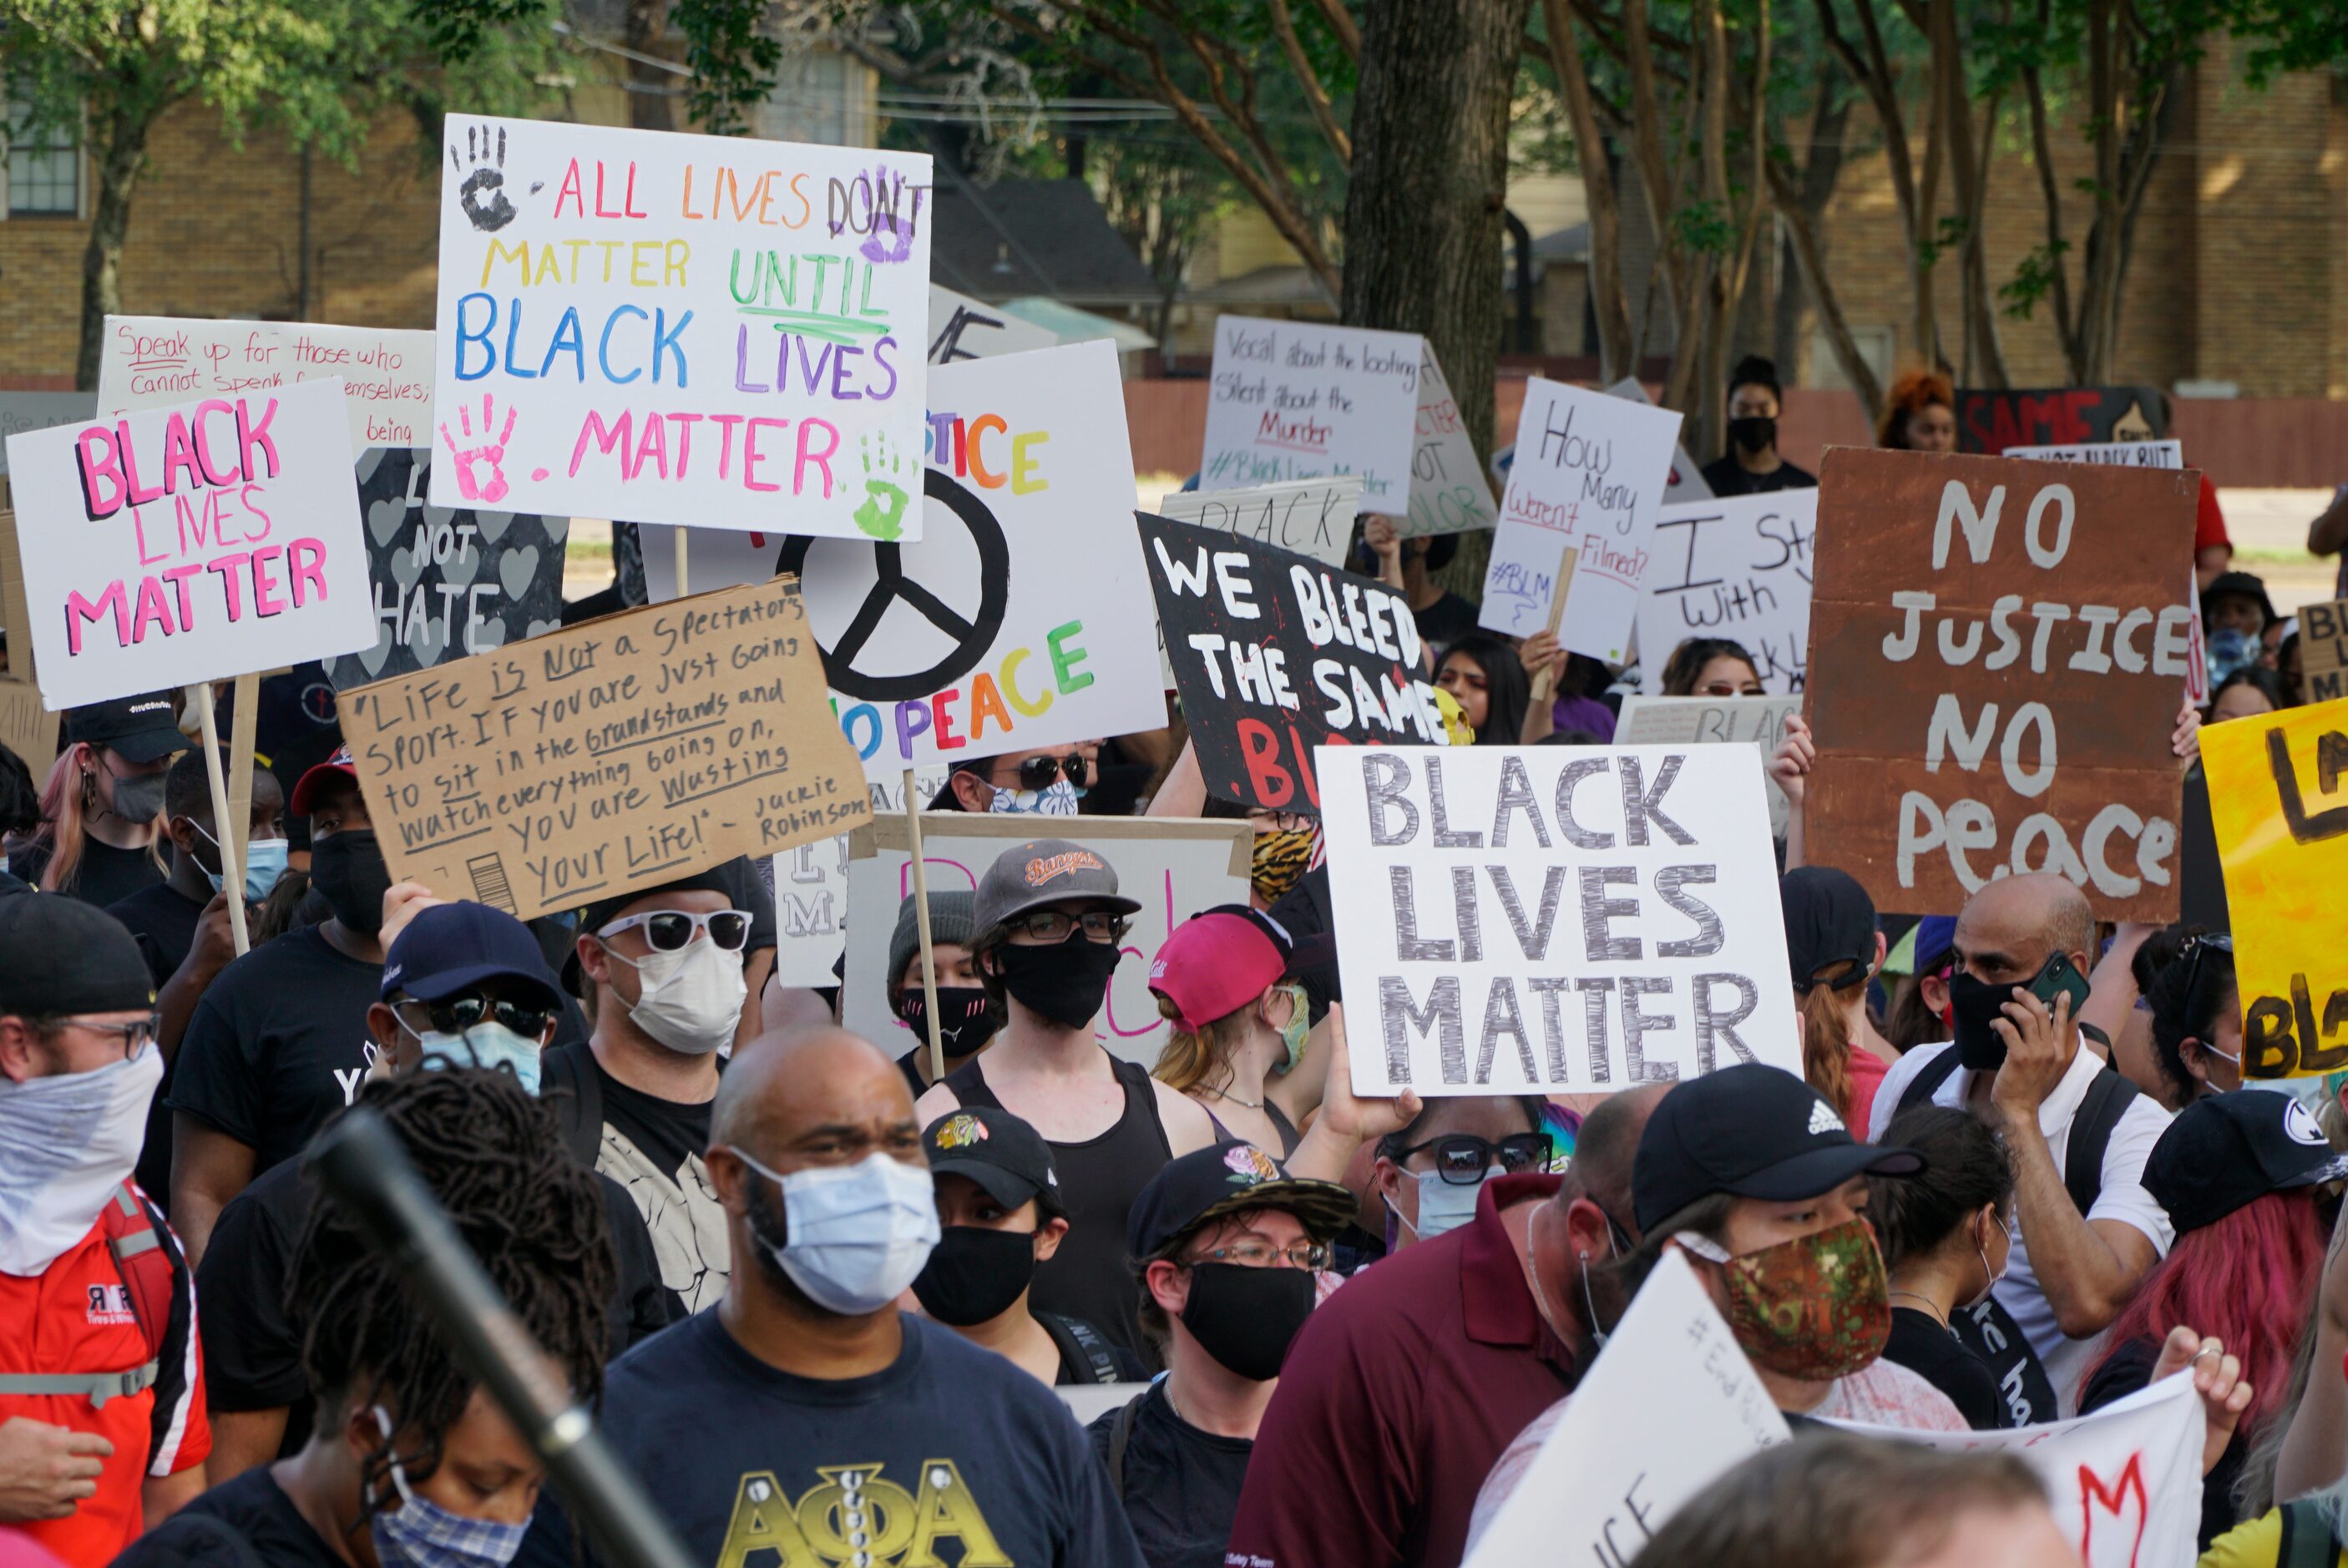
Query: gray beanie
x=951 y=919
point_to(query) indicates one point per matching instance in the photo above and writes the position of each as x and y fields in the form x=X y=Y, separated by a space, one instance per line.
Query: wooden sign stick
x=681 y=589
x=237 y=830
x=921 y=920
x=200 y=693
x=1543 y=683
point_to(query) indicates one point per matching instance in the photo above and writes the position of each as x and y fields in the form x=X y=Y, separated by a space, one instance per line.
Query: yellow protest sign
x=2279 y=804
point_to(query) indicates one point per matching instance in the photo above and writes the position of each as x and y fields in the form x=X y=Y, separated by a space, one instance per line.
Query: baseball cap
x=139 y=728
x=1829 y=919
x=450 y=946
x=1221 y=959
x=333 y=769
x=1008 y=1159
x=950 y=921
x=1223 y=1178
x=2226 y=1151
x=1044 y=871
x=59 y=956
x=1752 y=1131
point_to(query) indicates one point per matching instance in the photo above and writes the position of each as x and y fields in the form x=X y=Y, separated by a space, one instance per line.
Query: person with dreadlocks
x=411 y=1465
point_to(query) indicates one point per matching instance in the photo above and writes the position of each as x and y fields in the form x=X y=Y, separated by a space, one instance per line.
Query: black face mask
x=348 y=869
x=1247 y=1318
x=974 y=1273
x=964 y=1024
x=1063 y=981
x=1755 y=433
x=1975 y=1005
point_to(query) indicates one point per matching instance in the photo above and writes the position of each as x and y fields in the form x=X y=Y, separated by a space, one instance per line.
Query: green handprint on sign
x=882 y=515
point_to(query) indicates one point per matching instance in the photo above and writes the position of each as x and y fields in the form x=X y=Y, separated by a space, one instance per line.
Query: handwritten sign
x=1755 y=721
x=623 y=753
x=1991 y=421
x=1587 y=482
x=1311 y=517
x=964 y=328
x=1449 y=492
x=2008 y=648
x=1740 y=569
x=1295 y=400
x=23 y=411
x=1644 y=942
x=191 y=544
x=2114 y=454
x=811 y=889
x=2323 y=648
x=681 y=328
x=155 y=361
x=1687 y=482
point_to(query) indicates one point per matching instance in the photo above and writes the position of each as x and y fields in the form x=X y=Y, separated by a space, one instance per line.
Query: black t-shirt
x=2127 y=1370
x=104 y=875
x=1727 y=477
x=1181 y=1485
x=651 y=1148
x=278 y=1045
x=164 y=920
x=1919 y=1344
x=257 y=1507
x=1446 y=621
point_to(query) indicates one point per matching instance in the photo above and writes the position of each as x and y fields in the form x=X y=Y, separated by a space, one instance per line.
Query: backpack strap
x=1081 y=1342
x=142 y=1261
x=1926 y=1083
x=1120 y=1433
x=574 y=1090
x=2100 y=1110
x=2306 y=1540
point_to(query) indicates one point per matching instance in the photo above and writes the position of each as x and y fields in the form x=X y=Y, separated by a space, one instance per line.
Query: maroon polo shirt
x=1396 y=1399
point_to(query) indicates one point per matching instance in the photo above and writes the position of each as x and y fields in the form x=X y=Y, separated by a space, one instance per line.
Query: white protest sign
x=191 y=544
x=1311 y=517
x=717 y=558
x=2118 y=454
x=1449 y=491
x=1687 y=482
x=1587 y=482
x=155 y=361
x=811 y=889
x=964 y=328
x=2126 y=1482
x=1176 y=866
x=1295 y=400
x=681 y=328
x=1756 y=721
x=1737 y=568
x=23 y=411
x=1671 y=1405
x=1642 y=943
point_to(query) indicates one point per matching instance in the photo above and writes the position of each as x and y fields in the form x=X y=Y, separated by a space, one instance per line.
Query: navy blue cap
x=450 y=946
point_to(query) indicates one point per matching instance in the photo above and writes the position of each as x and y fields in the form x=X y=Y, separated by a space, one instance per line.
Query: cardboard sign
x=1738 y=569
x=2323 y=648
x=191 y=544
x=2113 y=454
x=1999 y=651
x=23 y=411
x=1275 y=654
x=811 y=889
x=1554 y=919
x=1755 y=721
x=26 y=727
x=446 y=584
x=623 y=753
x=155 y=361
x=1587 y=482
x=681 y=328
x=1449 y=492
x=1991 y=421
x=1296 y=400
x=1669 y=1406
x=2279 y=805
x=1176 y=866
x=964 y=328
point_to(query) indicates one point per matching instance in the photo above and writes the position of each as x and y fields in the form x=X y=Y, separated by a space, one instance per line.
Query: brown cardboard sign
x=25 y=728
x=1998 y=652
x=625 y=752
x=2323 y=649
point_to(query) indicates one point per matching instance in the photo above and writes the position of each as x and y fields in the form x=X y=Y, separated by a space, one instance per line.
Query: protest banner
x=1669 y=1406
x=184 y=544
x=1991 y=421
x=811 y=889
x=2125 y=1482
x=155 y=361
x=2006 y=646
x=623 y=753
x=2323 y=648
x=1673 y=964
x=604 y=292
x=1755 y=721
x=1298 y=400
x=1585 y=488
x=1449 y=491
x=1275 y=656
x=446 y=584
x=2113 y=454
x=23 y=411
x=1176 y=866
x=1739 y=569
x=964 y=328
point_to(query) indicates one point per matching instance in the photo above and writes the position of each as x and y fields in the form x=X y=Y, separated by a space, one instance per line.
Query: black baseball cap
x=2225 y=1151
x=451 y=946
x=1223 y=1178
x=1043 y=872
x=1007 y=1158
x=1752 y=1130
x=141 y=728
x=60 y=958
x=1829 y=919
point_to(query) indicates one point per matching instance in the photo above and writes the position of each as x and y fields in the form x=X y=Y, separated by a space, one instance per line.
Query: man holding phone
x=2077 y=1131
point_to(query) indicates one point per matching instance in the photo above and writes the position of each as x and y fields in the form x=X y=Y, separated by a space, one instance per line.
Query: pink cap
x=1217 y=962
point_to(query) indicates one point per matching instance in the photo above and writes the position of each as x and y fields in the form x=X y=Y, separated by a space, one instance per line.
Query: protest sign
x=26 y=727
x=1687 y=482
x=1643 y=944
x=2281 y=825
x=2125 y=1482
x=1297 y=400
x=1449 y=491
x=446 y=584
x=23 y=411
x=1176 y=866
x=1311 y=517
x=1586 y=485
x=604 y=292
x=2323 y=648
x=718 y=558
x=2006 y=650
x=1669 y=1406
x=1275 y=656
x=177 y=545
x=964 y=328
x=1991 y=421
x=2113 y=454
x=623 y=753
x=1739 y=569
x=1755 y=721
x=811 y=889
x=155 y=361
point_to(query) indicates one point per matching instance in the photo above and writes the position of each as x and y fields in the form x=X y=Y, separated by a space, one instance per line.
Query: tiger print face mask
x=1281 y=861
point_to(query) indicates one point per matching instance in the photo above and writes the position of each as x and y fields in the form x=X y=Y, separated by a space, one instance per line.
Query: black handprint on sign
x=482 y=195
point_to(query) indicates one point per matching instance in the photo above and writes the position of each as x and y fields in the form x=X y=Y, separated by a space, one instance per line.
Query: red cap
x=1217 y=962
x=306 y=789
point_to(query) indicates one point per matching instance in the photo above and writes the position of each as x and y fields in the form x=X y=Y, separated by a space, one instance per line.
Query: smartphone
x=2058 y=977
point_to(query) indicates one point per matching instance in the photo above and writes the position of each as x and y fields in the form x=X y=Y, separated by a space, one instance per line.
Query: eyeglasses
x=137 y=1034
x=1053 y=925
x=668 y=930
x=456 y=1015
x=2221 y=941
x=1039 y=772
x=1309 y=1255
x=1462 y=1158
x=1283 y=821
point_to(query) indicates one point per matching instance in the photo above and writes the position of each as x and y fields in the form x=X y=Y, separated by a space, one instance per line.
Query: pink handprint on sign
x=490 y=453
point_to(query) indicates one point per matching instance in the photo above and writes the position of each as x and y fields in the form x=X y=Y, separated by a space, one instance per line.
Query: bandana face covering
x=65 y=1143
x=1815 y=1308
x=1280 y=861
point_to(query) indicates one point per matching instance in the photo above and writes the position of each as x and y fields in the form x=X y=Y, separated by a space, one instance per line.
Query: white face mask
x=855 y=1236
x=1057 y=800
x=1442 y=1205
x=65 y=1143
x=692 y=998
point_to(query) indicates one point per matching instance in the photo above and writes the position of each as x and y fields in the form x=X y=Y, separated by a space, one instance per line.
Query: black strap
x=574 y=1090
x=2105 y=1101
x=1120 y=1432
x=2306 y=1540
x=1081 y=1342
x=1921 y=1088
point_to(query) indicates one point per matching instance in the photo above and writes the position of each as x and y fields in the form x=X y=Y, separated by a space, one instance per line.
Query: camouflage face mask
x=1815 y=1308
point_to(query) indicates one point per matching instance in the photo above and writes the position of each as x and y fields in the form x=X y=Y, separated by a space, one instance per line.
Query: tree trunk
x=651 y=103
x=121 y=152
x=1830 y=117
x=1812 y=253
x=1610 y=308
x=1423 y=208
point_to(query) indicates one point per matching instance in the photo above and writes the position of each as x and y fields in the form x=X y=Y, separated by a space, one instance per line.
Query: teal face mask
x=489 y=1045
x=1292 y=1033
x=265 y=863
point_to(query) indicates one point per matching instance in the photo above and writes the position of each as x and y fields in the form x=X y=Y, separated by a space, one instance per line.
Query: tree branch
x=1316 y=97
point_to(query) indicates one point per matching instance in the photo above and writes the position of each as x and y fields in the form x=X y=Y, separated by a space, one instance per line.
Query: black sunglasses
x=1462 y=1158
x=456 y=1015
x=2202 y=945
x=1039 y=772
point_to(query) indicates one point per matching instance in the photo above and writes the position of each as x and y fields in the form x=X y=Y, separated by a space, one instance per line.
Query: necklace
x=1218 y=1094
x=1931 y=1309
